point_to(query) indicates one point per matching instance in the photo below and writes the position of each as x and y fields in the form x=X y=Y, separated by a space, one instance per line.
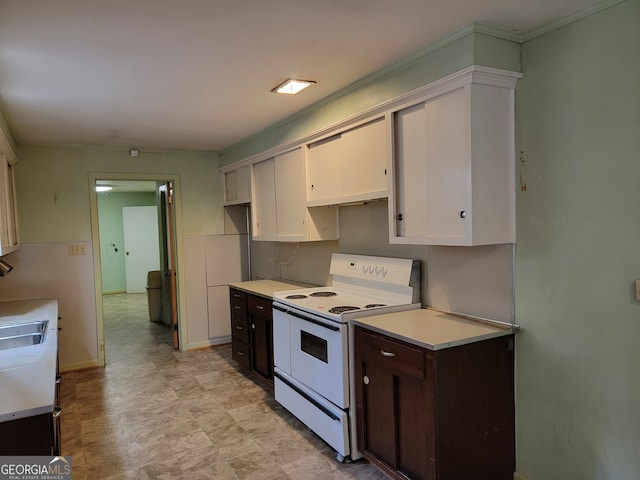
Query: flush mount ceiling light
x=292 y=86
x=103 y=188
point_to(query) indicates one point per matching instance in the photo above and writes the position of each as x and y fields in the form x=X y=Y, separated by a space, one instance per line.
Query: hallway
x=155 y=413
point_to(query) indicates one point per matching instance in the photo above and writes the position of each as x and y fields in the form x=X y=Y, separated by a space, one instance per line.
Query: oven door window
x=314 y=346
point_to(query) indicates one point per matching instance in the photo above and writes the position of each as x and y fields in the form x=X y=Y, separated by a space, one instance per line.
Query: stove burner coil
x=374 y=305
x=342 y=308
x=295 y=297
x=323 y=294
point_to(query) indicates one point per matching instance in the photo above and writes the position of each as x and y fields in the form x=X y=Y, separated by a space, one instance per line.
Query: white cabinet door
x=364 y=168
x=263 y=201
x=291 y=205
x=237 y=186
x=350 y=166
x=325 y=170
x=446 y=184
x=453 y=169
x=8 y=209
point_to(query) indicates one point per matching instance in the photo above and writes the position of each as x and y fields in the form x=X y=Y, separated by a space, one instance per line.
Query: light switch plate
x=638 y=290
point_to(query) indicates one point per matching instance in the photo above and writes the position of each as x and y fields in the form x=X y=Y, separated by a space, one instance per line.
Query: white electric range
x=312 y=336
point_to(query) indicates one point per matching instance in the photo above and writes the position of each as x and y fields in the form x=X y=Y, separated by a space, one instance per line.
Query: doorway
x=135 y=193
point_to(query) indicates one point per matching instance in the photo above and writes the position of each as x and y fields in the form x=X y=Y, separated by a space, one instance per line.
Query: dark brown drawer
x=240 y=327
x=240 y=353
x=259 y=306
x=237 y=295
x=238 y=307
x=390 y=353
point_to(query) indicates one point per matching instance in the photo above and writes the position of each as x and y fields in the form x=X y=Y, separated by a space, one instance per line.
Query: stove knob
x=377 y=270
x=384 y=271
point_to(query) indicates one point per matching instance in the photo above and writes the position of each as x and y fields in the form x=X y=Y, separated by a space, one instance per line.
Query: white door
x=141 y=245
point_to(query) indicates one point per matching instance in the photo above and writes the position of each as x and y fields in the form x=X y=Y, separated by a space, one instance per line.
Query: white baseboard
x=212 y=342
x=71 y=367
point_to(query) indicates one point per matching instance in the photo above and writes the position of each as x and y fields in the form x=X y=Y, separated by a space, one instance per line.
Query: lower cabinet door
x=262 y=343
x=27 y=436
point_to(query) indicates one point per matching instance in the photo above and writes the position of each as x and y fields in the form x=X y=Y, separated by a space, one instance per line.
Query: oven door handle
x=315 y=403
x=276 y=307
x=313 y=320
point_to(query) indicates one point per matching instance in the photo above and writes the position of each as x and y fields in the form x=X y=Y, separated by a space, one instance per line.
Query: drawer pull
x=238 y=327
x=240 y=354
x=259 y=307
x=237 y=295
x=387 y=354
x=365 y=380
x=237 y=307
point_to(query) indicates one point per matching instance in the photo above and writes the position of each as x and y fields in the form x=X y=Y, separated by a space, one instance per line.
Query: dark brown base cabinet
x=252 y=334
x=447 y=414
x=36 y=435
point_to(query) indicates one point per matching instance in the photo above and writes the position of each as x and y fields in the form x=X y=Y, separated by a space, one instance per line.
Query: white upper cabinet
x=453 y=178
x=237 y=186
x=279 y=209
x=8 y=209
x=350 y=166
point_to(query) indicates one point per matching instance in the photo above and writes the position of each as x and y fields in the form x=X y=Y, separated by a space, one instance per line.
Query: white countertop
x=28 y=374
x=266 y=288
x=431 y=329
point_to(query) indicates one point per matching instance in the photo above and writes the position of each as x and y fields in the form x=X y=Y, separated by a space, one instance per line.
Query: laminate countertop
x=28 y=374
x=431 y=329
x=266 y=288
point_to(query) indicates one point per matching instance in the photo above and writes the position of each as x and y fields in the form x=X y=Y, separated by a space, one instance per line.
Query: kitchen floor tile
x=156 y=413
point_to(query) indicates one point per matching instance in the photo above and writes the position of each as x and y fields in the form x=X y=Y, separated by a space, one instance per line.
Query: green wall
x=112 y=232
x=53 y=188
x=578 y=116
x=461 y=50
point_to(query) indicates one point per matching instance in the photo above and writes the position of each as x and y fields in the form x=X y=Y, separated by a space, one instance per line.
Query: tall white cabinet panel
x=8 y=209
x=453 y=176
x=237 y=186
x=263 y=201
x=350 y=166
x=279 y=207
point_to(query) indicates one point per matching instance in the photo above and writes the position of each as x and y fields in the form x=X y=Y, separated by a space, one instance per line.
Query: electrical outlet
x=74 y=250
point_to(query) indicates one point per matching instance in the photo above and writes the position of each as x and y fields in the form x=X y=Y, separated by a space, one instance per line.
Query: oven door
x=319 y=355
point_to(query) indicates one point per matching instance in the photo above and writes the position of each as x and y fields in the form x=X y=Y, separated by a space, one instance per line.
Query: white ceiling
x=197 y=74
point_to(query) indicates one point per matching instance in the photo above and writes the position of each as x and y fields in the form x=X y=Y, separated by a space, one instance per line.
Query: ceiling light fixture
x=292 y=86
x=103 y=188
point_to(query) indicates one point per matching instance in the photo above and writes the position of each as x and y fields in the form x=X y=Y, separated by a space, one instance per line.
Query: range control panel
x=385 y=269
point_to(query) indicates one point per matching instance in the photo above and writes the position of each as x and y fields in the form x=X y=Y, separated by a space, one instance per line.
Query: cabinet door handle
x=365 y=379
x=238 y=327
x=57 y=412
x=463 y=214
x=240 y=354
x=259 y=307
x=237 y=307
x=387 y=354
